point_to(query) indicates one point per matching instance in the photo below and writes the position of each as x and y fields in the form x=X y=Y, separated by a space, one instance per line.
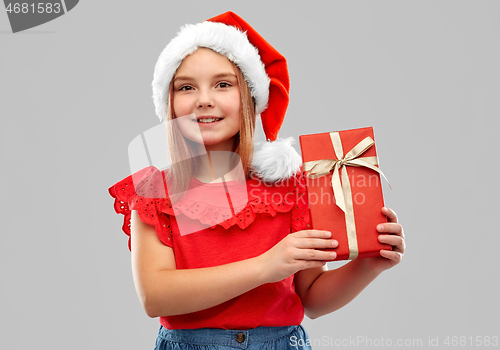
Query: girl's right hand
x=297 y=251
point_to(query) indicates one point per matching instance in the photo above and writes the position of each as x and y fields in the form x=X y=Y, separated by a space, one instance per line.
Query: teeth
x=208 y=120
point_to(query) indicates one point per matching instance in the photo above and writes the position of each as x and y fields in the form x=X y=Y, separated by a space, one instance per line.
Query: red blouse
x=218 y=236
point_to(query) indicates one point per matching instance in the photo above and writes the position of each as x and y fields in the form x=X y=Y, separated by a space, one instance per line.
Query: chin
x=211 y=142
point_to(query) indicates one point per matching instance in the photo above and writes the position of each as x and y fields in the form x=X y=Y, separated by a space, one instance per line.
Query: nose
x=205 y=99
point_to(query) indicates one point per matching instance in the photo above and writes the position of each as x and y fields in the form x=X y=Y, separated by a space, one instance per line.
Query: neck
x=215 y=164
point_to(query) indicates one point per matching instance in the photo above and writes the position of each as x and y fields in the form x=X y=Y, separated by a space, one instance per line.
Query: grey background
x=75 y=91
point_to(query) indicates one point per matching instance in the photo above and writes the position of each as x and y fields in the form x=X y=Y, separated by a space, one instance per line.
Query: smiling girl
x=242 y=276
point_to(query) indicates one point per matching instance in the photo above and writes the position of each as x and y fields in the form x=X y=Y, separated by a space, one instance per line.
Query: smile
x=208 y=120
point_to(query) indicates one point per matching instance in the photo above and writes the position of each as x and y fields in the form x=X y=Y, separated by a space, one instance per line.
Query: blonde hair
x=185 y=161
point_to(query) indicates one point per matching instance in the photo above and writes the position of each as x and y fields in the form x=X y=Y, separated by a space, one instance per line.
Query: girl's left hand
x=392 y=234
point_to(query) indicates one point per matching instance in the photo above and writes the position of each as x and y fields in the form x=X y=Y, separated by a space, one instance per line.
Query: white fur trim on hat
x=224 y=39
x=277 y=160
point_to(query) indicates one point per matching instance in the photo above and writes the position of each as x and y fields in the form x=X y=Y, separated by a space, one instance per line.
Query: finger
x=391 y=215
x=397 y=242
x=309 y=264
x=317 y=243
x=313 y=234
x=313 y=254
x=392 y=255
x=314 y=239
x=390 y=227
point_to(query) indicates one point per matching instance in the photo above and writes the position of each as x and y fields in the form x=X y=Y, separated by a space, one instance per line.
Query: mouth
x=208 y=120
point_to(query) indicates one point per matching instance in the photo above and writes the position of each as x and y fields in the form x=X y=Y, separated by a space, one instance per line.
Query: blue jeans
x=261 y=338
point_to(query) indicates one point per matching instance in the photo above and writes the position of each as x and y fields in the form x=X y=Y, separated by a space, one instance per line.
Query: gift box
x=344 y=190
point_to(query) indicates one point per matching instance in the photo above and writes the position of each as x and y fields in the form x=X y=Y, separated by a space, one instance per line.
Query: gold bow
x=342 y=191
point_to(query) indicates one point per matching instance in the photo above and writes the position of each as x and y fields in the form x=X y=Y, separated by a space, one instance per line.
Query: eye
x=224 y=84
x=185 y=88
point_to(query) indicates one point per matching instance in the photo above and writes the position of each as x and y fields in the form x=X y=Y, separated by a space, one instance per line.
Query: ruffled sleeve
x=145 y=192
x=300 y=213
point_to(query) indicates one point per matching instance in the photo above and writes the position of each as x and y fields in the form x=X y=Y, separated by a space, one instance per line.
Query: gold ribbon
x=342 y=191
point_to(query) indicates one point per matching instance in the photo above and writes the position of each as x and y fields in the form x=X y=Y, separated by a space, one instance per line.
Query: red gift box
x=344 y=189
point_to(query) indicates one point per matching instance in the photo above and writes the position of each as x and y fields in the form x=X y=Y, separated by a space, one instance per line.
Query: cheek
x=189 y=129
x=233 y=102
x=181 y=106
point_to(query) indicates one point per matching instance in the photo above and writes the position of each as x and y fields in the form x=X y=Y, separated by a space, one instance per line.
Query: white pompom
x=277 y=160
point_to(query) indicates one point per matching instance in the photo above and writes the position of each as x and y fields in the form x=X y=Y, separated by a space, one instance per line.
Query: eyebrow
x=217 y=76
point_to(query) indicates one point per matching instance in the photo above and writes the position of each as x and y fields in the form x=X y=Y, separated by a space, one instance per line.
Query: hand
x=297 y=251
x=394 y=236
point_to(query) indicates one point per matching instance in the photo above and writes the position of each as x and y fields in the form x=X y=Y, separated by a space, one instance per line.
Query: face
x=206 y=88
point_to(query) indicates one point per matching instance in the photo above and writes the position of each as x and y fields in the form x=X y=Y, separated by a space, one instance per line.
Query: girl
x=239 y=275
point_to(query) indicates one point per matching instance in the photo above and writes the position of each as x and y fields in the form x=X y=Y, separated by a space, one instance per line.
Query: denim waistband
x=225 y=337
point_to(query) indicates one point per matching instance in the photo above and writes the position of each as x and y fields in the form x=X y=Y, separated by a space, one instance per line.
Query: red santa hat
x=264 y=69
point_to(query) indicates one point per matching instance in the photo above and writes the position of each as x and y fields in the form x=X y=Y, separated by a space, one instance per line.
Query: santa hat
x=264 y=69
